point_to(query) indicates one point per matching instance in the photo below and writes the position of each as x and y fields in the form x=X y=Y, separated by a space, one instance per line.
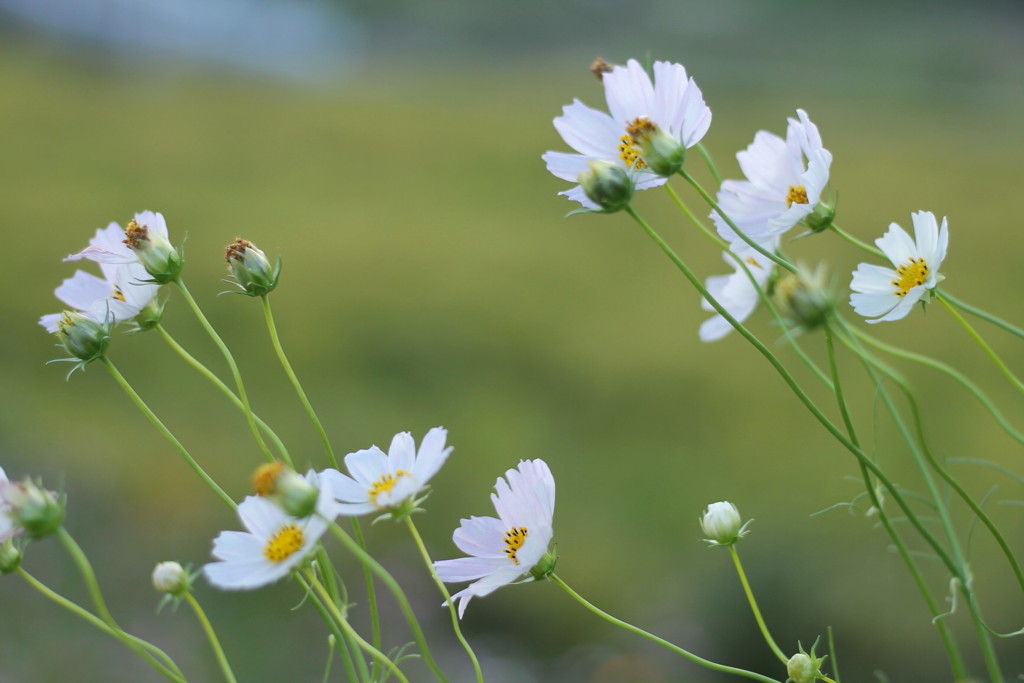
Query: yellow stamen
x=753 y=262
x=285 y=543
x=135 y=235
x=797 y=195
x=386 y=482
x=911 y=275
x=264 y=479
x=118 y=293
x=514 y=539
x=629 y=154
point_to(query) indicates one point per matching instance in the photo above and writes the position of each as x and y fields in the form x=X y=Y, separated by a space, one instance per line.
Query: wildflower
x=250 y=268
x=388 y=481
x=512 y=546
x=144 y=241
x=171 y=578
x=286 y=487
x=83 y=337
x=28 y=507
x=735 y=292
x=669 y=114
x=884 y=294
x=785 y=180
x=722 y=524
x=273 y=544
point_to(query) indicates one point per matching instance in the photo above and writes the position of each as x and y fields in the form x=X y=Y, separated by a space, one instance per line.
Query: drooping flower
x=119 y=296
x=511 y=546
x=668 y=113
x=144 y=241
x=883 y=294
x=785 y=181
x=382 y=481
x=273 y=544
x=735 y=292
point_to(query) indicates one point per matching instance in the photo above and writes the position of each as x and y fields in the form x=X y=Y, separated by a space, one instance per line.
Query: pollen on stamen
x=285 y=543
x=118 y=293
x=135 y=234
x=911 y=275
x=264 y=479
x=386 y=482
x=629 y=154
x=797 y=195
x=514 y=539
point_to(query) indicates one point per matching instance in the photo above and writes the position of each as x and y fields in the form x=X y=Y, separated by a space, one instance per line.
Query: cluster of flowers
x=643 y=141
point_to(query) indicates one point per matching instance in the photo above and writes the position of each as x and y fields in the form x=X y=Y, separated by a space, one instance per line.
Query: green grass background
x=431 y=279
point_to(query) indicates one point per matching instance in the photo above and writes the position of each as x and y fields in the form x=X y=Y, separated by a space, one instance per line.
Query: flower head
x=144 y=241
x=668 y=113
x=250 y=268
x=27 y=506
x=273 y=544
x=785 y=181
x=171 y=578
x=736 y=293
x=510 y=546
x=722 y=524
x=884 y=294
x=388 y=481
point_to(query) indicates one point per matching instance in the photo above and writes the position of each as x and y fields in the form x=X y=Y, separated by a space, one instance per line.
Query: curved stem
x=660 y=641
x=710 y=163
x=272 y=328
x=858 y=243
x=216 y=381
x=988 y=317
x=182 y=451
x=753 y=606
x=169 y=671
x=180 y=284
x=341 y=640
x=211 y=635
x=371 y=590
x=447 y=598
x=981 y=342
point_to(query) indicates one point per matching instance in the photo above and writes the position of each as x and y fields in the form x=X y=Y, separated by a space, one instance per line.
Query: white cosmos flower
x=735 y=292
x=382 y=481
x=273 y=544
x=110 y=247
x=673 y=102
x=506 y=548
x=785 y=180
x=884 y=294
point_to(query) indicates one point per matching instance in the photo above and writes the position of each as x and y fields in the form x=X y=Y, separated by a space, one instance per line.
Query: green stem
x=208 y=374
x=782 y=263
x=396 y=590
x=371 y=589
x=349 y=631
x=988 y=317
x=660 y=641
x=753 y=606
x=180 y=284
x=211 y=635
x=447 y=598
x=858 y=243
x=295 y=380
x=340 y=638
x=119 y=378
x=981 y=342
x=169 y=671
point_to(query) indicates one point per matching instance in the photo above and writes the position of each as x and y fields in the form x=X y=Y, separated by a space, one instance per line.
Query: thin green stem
x=692 y=217
x=832 y=652
x=710 y=163
x=272 y=328
x=660 y=641
x=371 y=589
x=988 y=317
x=447 y=598
x=753 y=606
x=182 y=451
x=334 y=618
x=169 y=670
x=857 y=243
x=781 y=262
x=340 y=640
x=180 y=284
x=981 y=342
x=232 y=396
x=351 y=632
x=396 y=590
x=211 y=635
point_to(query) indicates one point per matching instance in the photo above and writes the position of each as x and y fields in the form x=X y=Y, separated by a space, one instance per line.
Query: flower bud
x=607 y=185
x=171 y=578
x=820 y=219
x=154 y=251
x=804 y=297
x=722 y=524
x=250 y=268
x=294 y=493
x=661 y=152
x=83 y=337
x=545 y=566
x=32 y=508
x=10 y=557
x=150 y=316
x=801 y=668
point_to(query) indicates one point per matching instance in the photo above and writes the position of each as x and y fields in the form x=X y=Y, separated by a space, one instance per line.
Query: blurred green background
x=431 y=279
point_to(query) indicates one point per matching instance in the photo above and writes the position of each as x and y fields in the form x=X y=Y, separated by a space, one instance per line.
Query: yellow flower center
x=264 y=480
x=911 y=275
x=797 y=195
x=285 y=543
x=386 y=482
x=514 y=539
x=629 y=154
x=118 y=293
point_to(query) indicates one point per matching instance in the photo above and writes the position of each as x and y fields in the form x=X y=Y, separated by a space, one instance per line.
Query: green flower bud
x=251 y=269
x=804 y=298
x=545 y=566
x=661 y=153
x=171 y=578
x=820 y=219
x=289 y=489
x=32 y=508
x=161 y=260
x=608 y=185
x=803 y=667
x=10 y=557
x=83 y=337
x=722 y=524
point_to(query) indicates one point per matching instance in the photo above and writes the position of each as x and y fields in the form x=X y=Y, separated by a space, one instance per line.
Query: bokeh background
x=390 y=152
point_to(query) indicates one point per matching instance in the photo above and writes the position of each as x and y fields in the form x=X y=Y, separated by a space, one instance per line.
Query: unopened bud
x=294 y=493
x=251 y=269
x=820 y=219
x=804 y=297
x=545 y=566
x=160 y=259
x=171 y=578
x=607 y=184
x=801 y=668
x=10 y=557
x=32 y=508
x=661 y=152
x=722 y=524
x=83 y=337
